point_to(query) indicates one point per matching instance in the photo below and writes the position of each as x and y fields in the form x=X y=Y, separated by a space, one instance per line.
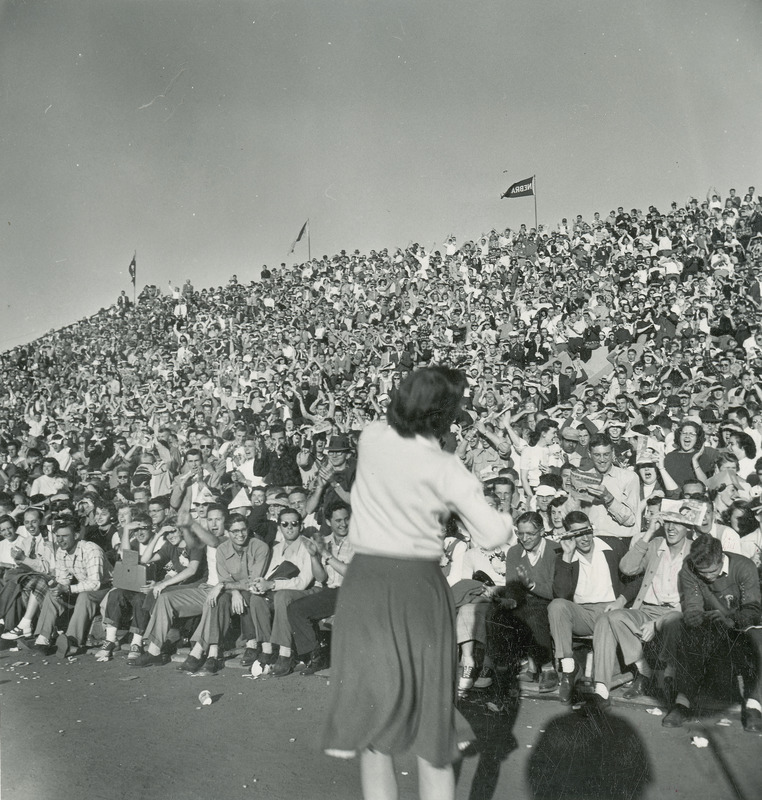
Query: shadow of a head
x=592 y=756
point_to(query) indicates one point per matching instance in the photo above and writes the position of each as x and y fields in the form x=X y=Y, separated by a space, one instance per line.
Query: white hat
x=241 y=500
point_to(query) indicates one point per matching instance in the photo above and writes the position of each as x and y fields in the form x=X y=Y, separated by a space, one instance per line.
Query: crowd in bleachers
x=186 y=462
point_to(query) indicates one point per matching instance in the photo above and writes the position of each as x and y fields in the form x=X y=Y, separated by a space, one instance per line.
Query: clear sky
x=204 y=134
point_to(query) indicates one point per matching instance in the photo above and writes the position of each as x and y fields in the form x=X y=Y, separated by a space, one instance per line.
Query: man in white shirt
x=294 y=566
x=615 y=512
x=336 y=553
x=585 y=586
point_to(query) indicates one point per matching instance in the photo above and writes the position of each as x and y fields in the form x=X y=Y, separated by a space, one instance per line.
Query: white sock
x=601 y=690
x=753 y=704
x=285 y=652
x=267 y=647
x=682 y=700
x=567 y=665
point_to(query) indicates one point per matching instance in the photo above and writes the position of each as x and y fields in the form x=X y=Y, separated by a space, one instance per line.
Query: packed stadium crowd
x=181 y=468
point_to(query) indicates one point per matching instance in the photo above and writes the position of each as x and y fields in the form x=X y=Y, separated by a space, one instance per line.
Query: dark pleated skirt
x=393 y=663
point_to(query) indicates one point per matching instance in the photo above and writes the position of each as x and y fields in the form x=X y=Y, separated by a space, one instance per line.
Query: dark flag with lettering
x=299 y=237
x=133 y=268
x=523 y=188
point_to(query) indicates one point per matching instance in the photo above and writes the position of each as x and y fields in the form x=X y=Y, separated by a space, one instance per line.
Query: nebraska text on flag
x=520 y=189
x=133 y=268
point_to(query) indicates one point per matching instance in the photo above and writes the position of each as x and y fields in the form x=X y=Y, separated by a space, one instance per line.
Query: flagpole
x=534 y=181
x=309 y=245
x=134 y=280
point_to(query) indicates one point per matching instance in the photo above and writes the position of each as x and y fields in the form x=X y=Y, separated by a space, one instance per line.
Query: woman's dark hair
x=51 y=460
x=705 y=552
x=745 y=442
x=542 y=427
x=747 y=522
x=699 y=433
x=426 y=402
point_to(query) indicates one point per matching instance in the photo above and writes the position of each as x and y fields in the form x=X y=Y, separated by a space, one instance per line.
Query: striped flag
x=523 y=188
x=299 y=237
x=133 y=268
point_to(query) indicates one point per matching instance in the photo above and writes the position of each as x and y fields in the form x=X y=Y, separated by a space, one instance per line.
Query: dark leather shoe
x=191 y=664
x=249 y=656
x=318 y=661
x=211 y=666
x=677 y=717
x=638 y=688
x=548 y=681
x=752 y=720
x=282 y=667
x=147 y=660
x=566 y=687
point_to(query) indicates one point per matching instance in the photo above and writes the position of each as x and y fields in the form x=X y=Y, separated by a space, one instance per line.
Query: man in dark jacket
x=720 y=598
x=586 y=585
x=519 y=623
x=278 y=465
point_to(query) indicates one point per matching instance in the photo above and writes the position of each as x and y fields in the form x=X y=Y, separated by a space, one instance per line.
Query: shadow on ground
x=574 y=759
x=492 y=715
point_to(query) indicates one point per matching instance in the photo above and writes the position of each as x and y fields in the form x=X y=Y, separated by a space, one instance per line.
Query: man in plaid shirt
x=81 y=581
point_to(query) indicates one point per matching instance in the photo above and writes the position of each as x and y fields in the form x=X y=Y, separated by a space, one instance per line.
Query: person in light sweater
x=393 y=649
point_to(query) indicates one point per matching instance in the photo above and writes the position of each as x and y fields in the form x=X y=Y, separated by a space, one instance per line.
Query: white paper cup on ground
x=205 y=698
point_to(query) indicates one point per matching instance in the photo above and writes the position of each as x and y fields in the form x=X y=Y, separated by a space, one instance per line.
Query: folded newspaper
x=581 y=479
x=685 y=512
